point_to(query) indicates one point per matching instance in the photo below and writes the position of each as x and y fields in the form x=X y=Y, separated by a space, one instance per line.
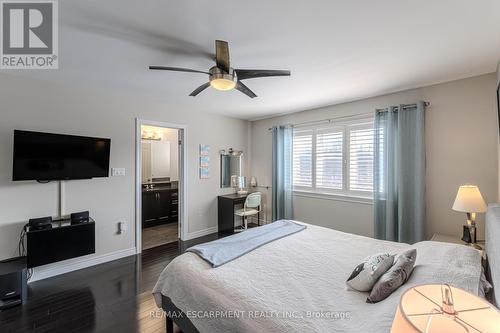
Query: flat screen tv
x=47 y=156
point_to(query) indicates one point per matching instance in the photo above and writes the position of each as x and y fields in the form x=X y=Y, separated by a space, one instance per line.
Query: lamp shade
x=439 y=308
x=469 y=200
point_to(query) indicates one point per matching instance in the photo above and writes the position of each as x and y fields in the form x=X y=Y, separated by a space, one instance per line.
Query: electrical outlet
x=116 y=172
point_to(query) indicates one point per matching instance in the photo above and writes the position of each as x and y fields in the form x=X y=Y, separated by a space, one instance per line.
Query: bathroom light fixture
x=148 y=135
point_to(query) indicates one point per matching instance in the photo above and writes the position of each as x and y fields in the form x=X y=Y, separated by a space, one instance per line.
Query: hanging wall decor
x=204 y=161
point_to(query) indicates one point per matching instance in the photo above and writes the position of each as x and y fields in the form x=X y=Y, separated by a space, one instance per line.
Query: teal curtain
x=282 y=172
x=399 y=173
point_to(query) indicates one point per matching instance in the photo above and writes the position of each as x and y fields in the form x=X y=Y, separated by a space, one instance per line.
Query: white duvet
x=297 y=284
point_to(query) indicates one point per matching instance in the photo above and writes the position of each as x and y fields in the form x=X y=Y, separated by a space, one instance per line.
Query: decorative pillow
x=395 y=277
x=366 y=274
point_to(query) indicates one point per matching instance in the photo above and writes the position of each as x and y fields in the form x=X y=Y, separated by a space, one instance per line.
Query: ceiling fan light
x=223 y=84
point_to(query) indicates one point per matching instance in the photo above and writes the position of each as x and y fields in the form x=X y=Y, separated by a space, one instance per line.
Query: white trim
x=183 y=172
x=335 y=197
x=200 y=233
x=71 y=265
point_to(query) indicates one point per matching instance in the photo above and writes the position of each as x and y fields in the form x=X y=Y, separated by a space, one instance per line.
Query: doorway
x=160 y=184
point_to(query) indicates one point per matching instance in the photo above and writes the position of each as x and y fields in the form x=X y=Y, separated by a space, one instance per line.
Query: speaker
x=79 y=217
x=40 y=223
x=13 y=282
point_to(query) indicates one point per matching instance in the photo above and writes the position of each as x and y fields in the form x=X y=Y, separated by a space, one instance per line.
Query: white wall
x=45 y=106
x=461 y=147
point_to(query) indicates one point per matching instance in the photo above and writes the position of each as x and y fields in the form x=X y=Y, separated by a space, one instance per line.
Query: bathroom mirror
x=230 y=165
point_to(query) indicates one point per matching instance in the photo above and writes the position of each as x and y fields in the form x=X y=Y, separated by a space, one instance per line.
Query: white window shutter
x=361 y=159
x=329 y=159
x=302 y=159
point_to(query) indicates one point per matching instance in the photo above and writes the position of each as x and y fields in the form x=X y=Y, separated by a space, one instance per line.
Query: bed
x=297 y=283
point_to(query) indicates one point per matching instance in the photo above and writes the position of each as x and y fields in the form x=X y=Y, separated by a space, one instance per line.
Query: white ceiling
x=337 y=50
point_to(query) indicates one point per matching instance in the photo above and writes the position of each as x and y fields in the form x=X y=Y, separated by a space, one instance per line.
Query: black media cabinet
x=63 y=241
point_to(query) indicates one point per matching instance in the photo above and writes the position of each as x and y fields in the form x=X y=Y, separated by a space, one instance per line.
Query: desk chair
x=251 y=207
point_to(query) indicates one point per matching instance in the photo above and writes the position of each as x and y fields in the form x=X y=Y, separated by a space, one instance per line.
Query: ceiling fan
x=222 y=76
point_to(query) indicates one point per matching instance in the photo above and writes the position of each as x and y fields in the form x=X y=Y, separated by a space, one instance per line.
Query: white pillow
x=367 y=273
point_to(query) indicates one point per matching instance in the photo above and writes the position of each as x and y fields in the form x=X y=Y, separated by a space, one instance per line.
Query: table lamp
x=469 y=200
x=440 y=308
x=253 y=182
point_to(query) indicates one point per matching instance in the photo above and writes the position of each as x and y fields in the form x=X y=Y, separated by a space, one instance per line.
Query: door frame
x=183 y=167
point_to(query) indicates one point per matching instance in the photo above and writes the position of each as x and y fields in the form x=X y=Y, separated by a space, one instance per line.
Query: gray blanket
x=224 y=250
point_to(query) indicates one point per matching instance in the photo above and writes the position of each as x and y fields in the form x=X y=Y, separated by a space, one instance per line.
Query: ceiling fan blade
x=200 y=89
x=244 y=74
x=222 y=55
x=177 y=69
x=244 y=89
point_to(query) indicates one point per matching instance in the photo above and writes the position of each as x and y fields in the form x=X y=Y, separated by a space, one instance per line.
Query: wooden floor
x=111 y=297
x=159 y=235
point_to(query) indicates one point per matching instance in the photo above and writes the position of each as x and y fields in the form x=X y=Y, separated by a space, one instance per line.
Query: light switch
x=122 y=227
x=115 y=172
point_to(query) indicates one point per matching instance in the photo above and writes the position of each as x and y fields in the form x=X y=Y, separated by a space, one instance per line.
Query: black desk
x=225 y=211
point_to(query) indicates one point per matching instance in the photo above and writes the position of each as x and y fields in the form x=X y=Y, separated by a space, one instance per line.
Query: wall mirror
x=230 y=165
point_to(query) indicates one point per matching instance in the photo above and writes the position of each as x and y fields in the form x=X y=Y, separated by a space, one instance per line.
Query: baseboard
x=71 y=265
x=200 y=233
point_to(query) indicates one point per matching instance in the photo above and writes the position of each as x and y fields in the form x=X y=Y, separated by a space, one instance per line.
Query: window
x=335 y=159
x=361 y=159
x=329 y=147
x=302 y=159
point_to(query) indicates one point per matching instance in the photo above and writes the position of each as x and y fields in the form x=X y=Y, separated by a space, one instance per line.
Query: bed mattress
x=297 y=284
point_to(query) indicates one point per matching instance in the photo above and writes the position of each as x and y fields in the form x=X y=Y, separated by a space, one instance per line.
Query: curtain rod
x=330 y=120
x=404 y=106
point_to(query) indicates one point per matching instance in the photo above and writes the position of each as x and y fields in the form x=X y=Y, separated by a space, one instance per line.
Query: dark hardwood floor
x=111 y=297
